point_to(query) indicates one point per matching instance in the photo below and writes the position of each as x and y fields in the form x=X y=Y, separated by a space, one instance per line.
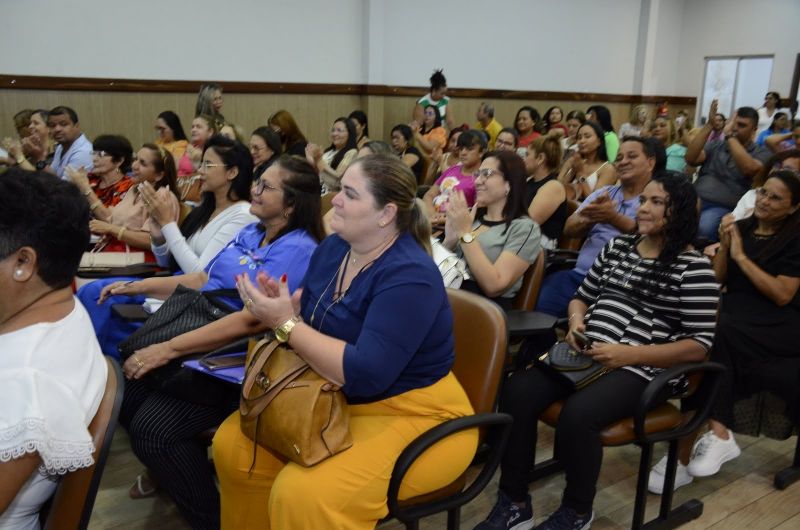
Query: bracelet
x=95 y=205
x=121 y=231
x=87 y=192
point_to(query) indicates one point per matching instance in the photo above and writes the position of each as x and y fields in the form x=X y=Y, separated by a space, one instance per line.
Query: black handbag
x=185 y=310
x=573 y=367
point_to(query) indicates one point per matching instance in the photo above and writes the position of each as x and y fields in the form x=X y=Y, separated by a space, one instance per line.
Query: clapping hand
x=601 y=210
x=158 y=203
x=269 y=300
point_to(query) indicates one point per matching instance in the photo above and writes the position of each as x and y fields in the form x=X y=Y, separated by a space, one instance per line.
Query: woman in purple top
x=162 y=428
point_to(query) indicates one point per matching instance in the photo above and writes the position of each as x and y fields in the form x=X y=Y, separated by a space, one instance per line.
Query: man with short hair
x=72 y=147
x=603 y=215
x=487 y=123
x=728 y=166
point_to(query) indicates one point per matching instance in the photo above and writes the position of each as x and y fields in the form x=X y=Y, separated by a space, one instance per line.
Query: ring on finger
x=138 y=361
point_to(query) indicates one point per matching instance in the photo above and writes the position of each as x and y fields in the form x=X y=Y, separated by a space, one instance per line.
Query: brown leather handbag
x=288 y=408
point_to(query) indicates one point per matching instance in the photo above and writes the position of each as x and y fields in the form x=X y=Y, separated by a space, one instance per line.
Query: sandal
x=143 y=488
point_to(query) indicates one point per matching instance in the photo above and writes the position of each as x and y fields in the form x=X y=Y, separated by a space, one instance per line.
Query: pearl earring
x=18 y=273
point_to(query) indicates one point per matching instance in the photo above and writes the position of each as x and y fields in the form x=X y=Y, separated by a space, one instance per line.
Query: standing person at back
x=72 y=146
x=487 y=123
x=438 y=98
x=728 y=166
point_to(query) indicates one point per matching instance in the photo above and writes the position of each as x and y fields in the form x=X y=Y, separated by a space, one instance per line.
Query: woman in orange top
x=431 y=134
x=170 y=134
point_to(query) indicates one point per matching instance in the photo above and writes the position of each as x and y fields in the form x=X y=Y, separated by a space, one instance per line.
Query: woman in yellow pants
x=374 y=319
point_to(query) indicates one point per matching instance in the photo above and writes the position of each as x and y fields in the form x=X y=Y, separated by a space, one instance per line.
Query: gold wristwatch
x=283 y=331
x=467 y=238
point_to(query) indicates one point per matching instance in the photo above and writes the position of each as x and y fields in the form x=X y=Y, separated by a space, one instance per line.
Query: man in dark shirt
x=728 y=166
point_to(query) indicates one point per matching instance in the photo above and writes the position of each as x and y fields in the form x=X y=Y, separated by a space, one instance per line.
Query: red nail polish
x=283 y=278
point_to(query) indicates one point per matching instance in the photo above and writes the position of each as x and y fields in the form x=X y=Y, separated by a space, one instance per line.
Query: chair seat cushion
x=621 y=432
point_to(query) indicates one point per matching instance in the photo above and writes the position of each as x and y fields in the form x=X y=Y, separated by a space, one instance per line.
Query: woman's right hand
x=576 y=324
x=79 y=177
x=122 y=287
x=313 y=154
x=725 y=230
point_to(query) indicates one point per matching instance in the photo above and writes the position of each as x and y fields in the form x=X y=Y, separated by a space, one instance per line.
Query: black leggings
x=163 y=434
x=586 y=412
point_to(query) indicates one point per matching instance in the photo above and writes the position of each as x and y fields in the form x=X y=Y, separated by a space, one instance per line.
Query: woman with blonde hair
x=637 y=122
x=372 y=318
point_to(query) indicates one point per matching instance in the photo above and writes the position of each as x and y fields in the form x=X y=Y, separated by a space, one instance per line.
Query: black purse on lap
x=185 y=310
x=573 y=367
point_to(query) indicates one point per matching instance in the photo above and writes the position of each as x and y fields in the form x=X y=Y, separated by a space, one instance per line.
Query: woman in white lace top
x=52 y=373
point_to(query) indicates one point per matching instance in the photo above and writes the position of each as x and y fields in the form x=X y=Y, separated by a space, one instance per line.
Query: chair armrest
x=527 y=323
x=498 y=421
x=712 y=373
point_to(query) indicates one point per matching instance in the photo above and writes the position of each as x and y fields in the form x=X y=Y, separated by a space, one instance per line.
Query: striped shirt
x=625 y=308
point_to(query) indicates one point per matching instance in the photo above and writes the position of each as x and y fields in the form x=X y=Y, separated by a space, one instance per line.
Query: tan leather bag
x=288 y=408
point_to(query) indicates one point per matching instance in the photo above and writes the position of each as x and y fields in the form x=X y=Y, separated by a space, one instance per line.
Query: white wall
x=235 y=40
x=576 y=45
x=738 y=27
x=541 y=45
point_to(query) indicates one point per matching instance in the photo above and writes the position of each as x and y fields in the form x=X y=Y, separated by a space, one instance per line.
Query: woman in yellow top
x=170 y=134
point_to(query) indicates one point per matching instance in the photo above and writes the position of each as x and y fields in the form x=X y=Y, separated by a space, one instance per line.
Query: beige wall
x=133 y=114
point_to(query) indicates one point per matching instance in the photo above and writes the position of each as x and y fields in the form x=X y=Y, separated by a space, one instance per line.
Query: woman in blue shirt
x=163 y=428
x=373 y=318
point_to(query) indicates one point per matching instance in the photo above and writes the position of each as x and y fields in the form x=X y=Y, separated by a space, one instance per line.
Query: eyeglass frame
x=762 y=192
x=487 y=173
x=260 y=186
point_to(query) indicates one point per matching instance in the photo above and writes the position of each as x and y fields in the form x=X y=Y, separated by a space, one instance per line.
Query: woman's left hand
x=459 y=216
x=270 y=301
x=96 y=226
x=149 y=358
x=612 y=355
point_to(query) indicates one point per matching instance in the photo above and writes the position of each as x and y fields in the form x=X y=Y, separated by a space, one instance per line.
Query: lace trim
x=58 y=456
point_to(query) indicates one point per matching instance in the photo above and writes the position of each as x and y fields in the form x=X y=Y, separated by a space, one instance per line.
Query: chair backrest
x=479 y=329
x=525 y=299
x=325 y=202
x=570 y=243
x=72 y=504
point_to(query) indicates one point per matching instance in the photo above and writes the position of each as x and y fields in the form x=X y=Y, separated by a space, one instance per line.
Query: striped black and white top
x=625 y=306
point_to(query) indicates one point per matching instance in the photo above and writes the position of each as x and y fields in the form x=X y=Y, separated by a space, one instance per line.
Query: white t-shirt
x=194 y=254
x=52 y=379
x=765 y=120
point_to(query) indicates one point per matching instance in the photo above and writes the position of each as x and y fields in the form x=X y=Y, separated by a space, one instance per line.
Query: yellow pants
x=348 y=490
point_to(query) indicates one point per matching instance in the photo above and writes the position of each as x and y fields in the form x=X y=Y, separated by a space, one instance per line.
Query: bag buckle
x=263 y=381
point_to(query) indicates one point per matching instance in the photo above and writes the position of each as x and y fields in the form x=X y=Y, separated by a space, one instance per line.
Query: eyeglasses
x=262 y=185
x=771 y=197
x=256 y=148
x=205 y=164
x=340 y=131
x=101 y=154
x=485 y=173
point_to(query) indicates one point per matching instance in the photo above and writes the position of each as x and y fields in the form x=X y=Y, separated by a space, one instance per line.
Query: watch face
x=467 y=238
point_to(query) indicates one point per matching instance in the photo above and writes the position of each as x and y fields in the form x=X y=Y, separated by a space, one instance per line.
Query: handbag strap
x=263 y=350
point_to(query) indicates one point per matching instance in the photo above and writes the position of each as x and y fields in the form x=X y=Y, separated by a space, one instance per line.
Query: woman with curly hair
x=649 y=302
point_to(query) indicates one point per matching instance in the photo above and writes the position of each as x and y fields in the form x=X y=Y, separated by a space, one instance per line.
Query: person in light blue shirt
x=604 y=214
x=72 y=146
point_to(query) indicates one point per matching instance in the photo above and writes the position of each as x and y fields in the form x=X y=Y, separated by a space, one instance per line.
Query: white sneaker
x=710 y=452
x=656 y=482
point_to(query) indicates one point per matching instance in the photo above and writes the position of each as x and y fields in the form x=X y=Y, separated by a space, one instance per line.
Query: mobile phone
x=227 y=361
x=582 y=340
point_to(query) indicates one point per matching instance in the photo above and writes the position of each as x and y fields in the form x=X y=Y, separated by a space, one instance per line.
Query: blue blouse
x=395 y=318
x=288 y=254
